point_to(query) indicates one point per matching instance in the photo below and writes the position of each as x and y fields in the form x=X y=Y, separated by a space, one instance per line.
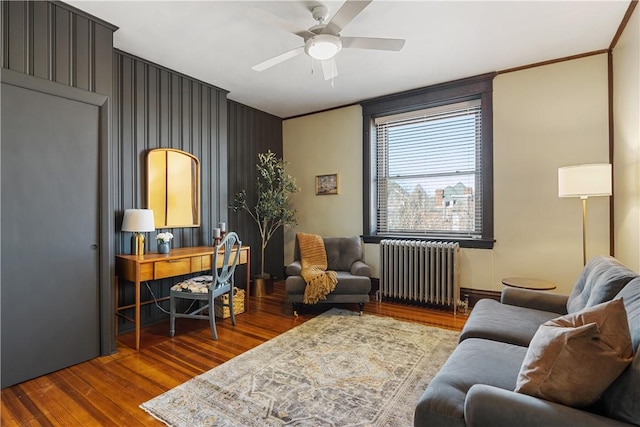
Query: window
x=429 y=173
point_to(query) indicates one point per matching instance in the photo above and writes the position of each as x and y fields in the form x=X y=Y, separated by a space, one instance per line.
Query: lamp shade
x=138 y=220
x=584 y=180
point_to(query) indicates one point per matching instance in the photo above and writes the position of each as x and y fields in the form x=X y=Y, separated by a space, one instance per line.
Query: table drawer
x=196 y=264
x=146 y=271
x=171 y=268
x=242 y=258
x=205 y=262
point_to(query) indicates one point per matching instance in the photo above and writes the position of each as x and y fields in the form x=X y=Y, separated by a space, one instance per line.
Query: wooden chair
x=207 y=288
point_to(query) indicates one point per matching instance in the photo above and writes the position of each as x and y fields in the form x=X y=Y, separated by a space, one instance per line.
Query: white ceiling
x=218 y=42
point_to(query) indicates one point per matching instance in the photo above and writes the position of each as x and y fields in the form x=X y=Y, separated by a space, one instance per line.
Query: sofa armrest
x=359 y=268
x=486 y=405
x=535 y=299
x=294 y=269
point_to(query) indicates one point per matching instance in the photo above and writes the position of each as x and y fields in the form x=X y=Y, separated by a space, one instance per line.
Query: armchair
x=344 y=256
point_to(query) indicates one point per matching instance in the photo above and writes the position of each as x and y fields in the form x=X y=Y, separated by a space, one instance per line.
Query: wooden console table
x=154 y=266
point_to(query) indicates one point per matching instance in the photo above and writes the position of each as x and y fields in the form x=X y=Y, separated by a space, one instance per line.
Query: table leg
x=248 y=273
x=137 y=315
x=116 y=301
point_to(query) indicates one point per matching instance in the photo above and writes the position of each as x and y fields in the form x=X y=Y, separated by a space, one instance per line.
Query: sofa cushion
x=494 y=407
x=620 y=400
x=342 y=252
x=573 y=359
x=492 y=320
x=347 y=284
x=601 y=279
x=474 y=361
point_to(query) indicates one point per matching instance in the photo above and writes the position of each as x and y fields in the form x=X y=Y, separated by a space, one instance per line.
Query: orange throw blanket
x=313 y=258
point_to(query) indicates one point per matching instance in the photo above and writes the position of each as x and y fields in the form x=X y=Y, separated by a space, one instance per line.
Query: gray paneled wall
x=152 y=107
x=57 y=42
x=159 y=108
x=251 y=132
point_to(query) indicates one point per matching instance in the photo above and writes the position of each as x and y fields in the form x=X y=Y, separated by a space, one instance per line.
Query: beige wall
x=322 y=144
x=544 y=118
x=626 y=108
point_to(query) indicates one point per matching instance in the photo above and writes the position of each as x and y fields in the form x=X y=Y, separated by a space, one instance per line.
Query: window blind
x=428 y=171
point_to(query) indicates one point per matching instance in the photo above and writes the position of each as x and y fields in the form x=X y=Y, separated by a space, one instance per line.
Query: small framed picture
x=327 y=184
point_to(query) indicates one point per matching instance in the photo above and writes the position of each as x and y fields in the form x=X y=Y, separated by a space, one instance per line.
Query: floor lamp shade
x=138 y=221
x=584 y=180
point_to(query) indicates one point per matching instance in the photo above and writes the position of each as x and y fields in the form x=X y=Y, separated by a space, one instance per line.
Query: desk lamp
x=138 y=221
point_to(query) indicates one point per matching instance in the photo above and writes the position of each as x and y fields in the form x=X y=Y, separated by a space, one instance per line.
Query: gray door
x=50 y=228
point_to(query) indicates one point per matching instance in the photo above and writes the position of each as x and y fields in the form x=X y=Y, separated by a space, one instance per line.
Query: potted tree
x=271 y=210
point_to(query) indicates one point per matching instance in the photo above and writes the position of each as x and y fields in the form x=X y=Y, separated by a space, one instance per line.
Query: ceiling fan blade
x=279 y=22
x=278 y=59
x=372 y=43
x=349 y=10
x=329 y=68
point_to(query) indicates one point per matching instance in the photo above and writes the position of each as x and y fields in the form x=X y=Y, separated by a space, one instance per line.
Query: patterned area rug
x=338 y=369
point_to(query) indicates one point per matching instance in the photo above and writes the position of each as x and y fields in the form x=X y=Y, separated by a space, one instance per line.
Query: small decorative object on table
x=216 y=236
x=164 y=241
x=223 y=229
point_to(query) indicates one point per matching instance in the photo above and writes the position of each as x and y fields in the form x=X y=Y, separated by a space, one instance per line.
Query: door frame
x=106 y=263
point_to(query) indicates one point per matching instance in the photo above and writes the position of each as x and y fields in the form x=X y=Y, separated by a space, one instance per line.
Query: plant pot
x=261 y=287
x=163 y=247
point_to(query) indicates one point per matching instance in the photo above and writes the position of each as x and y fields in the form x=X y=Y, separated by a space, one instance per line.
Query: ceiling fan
x=323 y=40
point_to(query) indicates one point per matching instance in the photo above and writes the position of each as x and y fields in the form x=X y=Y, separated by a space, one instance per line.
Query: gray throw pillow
x=574 y=358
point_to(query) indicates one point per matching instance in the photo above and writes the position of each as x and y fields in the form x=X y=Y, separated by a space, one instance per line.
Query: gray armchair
x=344 y=256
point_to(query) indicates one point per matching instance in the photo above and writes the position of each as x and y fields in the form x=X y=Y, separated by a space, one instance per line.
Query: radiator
x=420 y=271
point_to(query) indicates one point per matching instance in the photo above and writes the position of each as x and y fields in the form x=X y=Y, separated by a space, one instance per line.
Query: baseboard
x=474 y=295
x=375 y=286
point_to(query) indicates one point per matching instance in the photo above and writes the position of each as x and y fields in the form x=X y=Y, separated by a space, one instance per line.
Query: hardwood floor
x=107 y=391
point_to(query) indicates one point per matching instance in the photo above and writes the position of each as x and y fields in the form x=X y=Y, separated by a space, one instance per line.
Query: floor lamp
x=584 y=181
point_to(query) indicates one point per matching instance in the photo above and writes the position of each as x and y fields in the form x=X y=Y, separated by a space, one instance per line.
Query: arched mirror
x=173 y=188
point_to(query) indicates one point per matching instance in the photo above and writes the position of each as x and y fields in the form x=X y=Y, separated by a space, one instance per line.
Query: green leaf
x=271 y=208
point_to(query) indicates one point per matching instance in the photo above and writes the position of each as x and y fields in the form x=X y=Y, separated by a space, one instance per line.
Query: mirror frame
x=194 y=189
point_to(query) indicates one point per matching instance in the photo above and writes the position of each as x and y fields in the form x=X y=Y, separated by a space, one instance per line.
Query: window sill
x=464 y=243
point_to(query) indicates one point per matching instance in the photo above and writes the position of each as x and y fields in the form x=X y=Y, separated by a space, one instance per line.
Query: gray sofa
x=475 y=386
x=344 y=256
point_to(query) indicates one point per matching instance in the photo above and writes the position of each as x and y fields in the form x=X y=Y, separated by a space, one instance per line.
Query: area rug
x=338 y=369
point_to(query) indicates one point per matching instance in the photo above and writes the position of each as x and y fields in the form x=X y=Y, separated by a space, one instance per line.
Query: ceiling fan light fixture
x=323 y=46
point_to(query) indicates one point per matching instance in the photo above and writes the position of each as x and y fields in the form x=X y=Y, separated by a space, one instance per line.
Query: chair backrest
x=225 y=249
x=342 y=252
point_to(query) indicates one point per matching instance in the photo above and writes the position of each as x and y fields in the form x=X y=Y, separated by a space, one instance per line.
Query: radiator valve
x=464 y=304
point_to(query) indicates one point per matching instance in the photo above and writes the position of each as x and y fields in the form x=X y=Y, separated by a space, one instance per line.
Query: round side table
x=526 y=283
